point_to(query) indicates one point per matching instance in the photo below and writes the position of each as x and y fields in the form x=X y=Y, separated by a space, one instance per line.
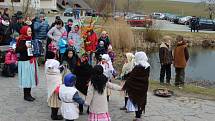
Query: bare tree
x=210 y=7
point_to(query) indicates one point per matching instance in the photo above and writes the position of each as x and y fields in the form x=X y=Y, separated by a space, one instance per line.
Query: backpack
x=37 y=47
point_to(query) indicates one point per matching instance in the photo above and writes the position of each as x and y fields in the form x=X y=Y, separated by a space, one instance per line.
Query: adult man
x=181 y=56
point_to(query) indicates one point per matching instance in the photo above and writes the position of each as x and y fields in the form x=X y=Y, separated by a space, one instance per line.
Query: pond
x=201 y=65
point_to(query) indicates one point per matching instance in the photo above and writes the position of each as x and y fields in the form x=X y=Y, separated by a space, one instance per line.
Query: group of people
x=79 y=67
x=178 y=58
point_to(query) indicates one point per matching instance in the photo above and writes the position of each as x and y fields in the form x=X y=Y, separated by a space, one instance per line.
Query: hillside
x=149 y=6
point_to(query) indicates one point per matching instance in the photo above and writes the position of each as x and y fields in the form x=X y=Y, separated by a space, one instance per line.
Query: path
x=14 y=108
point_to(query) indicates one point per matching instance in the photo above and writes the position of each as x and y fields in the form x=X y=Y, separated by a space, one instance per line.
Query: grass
x=188 y=90
x=180 y=8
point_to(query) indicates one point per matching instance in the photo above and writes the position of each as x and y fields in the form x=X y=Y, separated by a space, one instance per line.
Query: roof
x=82 y=3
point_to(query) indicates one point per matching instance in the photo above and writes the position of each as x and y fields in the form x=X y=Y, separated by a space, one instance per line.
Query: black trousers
x=180 y=75
x=81 y=108
x=138 y=113
x=165 y=69
x=69 y=120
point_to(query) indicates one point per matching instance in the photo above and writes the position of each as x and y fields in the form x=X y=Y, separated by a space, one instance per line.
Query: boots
x=27 y=95
x=54 y=115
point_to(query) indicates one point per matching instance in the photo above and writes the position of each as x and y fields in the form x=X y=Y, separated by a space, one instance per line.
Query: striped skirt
x=53 y=101
x=28 y=74
x=99 y=117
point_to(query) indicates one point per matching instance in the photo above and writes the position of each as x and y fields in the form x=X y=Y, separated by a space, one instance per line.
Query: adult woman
x=56 y=32
x=137 y=83
x=27 y=65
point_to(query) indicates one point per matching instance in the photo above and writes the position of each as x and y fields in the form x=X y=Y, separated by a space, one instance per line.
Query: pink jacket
x=10 y=57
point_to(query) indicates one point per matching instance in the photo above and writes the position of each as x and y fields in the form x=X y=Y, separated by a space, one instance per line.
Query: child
x=70 y=58
x=69 y=96
x=62 y=44
x=96 y=96
x=10 y=65
x=100 y=50
x=54 y=79
x=126 y=69
x=111 y=53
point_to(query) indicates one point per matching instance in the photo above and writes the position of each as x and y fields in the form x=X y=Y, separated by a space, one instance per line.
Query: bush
x=152 y=35
x=121 y=35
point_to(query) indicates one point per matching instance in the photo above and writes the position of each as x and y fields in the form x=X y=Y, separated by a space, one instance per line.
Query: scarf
x=141 y=59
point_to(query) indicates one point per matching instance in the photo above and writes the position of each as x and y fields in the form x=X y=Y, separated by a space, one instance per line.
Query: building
x=37 y=4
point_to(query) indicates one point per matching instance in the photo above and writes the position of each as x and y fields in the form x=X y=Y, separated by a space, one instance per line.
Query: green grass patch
x=196 y=91
x=180 y=8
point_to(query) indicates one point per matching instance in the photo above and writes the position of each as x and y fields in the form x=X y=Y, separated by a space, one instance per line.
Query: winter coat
x=40 y=29
x=83 y=73
x=62 y=44
x=181 y=55
x=17 y=26
x=55 y=34
x=5 y=32
x=100 y=51
x=93 y=39
x=77 y=39
x=112 y=55
x=11 y=57
x=165 y=54
x=68 y=29
x=98 y=102
x=106 y=41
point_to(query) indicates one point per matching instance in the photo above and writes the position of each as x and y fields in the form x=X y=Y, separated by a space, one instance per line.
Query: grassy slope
x=174 y=7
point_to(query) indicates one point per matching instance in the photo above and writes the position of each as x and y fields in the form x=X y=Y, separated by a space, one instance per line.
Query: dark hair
x=59 y=22
x=77 y=26
x=70 y=20
x=50 y=55
x=57 y=18
x=98 y=79
x=65 y=55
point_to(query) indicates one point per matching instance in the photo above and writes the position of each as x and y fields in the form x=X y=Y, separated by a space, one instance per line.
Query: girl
x=126 y=69
x=10 y=63
x=83 y=72
x=69 y=96
x=137 y=84
x=108 y=70
x=96 y=96
x=27 y=66
x=111 y=53
x=54 y=79
x=70 y=58
x=62 y=44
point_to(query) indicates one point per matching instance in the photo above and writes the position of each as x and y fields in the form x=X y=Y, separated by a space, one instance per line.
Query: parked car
x=68 y=12
x=140 y=21
x=169 y=17
x=158 y=16
x=175 y=20
x=206 y=24
x=185 y=20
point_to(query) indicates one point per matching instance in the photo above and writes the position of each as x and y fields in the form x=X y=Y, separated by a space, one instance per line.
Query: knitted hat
x=70 y=20
x=69 y=80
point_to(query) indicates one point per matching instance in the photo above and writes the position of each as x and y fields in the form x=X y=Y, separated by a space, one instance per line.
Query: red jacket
x=93 y=39
x=10 y=57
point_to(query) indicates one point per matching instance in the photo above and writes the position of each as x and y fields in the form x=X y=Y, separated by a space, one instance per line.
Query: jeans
x=180 y=75
x=165 y=69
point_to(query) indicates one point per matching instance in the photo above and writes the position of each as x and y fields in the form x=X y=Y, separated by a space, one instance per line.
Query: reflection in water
x=201 y=65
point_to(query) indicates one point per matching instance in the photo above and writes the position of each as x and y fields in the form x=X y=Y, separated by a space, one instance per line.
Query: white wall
x=47 y=4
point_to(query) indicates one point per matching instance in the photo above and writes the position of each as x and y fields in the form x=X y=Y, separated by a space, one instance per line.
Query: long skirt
x=28 y=74
x=53 y=101
x=99 y=117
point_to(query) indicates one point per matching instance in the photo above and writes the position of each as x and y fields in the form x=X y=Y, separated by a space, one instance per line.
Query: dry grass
x=121 y=35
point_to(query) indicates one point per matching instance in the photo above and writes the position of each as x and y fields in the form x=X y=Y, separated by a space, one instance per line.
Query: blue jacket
x=41 y=29
x=62 y=44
